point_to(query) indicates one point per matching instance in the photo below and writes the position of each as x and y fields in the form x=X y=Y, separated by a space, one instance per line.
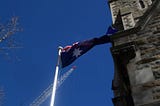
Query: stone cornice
x=141 y=24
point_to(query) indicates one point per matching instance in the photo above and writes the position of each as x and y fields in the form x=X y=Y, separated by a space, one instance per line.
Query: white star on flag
x=77 y=52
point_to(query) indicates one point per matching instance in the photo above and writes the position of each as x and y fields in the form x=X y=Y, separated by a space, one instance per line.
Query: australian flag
x=70 y=53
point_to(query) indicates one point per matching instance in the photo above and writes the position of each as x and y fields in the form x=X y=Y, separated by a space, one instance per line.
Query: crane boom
x=47 y=92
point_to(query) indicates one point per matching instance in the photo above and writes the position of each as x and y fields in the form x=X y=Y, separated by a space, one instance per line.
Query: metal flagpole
x=55 y=77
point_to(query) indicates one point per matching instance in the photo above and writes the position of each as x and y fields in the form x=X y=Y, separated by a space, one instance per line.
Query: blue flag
x=111 y=30
x=70 y=53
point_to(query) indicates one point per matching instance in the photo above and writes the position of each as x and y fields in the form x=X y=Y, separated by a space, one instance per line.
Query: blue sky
x=46 y=25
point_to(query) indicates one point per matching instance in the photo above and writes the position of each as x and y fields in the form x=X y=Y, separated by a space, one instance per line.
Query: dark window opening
x=142 y=3
x=122 y=56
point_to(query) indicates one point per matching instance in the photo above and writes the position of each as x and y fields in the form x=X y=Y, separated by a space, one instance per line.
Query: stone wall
x=125 y=7
x=144 y=68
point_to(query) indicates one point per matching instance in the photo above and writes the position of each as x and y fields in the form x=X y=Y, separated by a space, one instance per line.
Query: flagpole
x=55 y=78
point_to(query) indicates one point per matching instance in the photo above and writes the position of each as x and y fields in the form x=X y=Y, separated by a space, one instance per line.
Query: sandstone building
x=136 y=52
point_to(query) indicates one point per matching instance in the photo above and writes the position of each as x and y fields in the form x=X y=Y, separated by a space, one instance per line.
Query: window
x=142 y=4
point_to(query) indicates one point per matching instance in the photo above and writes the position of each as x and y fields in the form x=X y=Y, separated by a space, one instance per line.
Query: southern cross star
x=77 y=52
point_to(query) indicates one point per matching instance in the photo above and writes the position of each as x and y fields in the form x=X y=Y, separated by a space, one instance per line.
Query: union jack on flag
x=70 y=53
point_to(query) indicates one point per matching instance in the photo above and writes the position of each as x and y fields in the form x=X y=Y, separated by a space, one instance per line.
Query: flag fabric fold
x=70 y=53
x=111 y=30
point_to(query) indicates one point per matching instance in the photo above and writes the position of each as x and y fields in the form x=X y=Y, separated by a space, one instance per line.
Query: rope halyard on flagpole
x=56 y=77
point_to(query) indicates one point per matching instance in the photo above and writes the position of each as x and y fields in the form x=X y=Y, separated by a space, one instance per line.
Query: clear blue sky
x=48 y=24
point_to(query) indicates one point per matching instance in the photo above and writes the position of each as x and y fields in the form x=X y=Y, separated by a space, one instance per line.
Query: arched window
x=142 y=4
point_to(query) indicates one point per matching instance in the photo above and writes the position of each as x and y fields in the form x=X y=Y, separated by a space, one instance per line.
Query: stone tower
x=136 y=52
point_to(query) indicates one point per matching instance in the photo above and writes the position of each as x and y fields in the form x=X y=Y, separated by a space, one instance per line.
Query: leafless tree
x=1 y=96
x=7 y=36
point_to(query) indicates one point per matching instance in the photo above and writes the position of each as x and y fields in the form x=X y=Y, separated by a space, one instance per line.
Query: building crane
x=47 y=92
